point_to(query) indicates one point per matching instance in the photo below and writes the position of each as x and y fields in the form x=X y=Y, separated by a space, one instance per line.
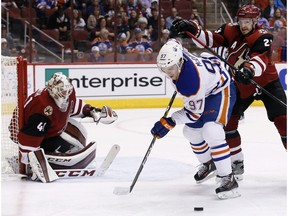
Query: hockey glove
x=245 y=74
x=182 y=25
x=162 y=127
x=95 y=114
x=107 y=115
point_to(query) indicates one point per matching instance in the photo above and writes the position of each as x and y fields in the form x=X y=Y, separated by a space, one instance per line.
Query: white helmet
x=170 y=54
x=60 y=88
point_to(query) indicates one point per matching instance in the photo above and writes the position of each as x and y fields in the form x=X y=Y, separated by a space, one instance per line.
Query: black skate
x=238 y=169
x=228 y=187
x=206 y=171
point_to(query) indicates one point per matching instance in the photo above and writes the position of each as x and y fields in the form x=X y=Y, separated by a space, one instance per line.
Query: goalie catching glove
x=106 y=115
x=245 y=74
x=162 y=127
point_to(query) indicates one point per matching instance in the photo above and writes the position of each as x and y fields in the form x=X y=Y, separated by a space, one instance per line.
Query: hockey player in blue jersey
x=209 y=95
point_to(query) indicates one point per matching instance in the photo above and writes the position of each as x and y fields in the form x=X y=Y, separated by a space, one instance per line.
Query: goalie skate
x=205 y=172
x=228 y=187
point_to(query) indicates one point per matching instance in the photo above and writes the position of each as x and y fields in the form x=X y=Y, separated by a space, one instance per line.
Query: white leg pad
x=77 y=160
x=40 y=166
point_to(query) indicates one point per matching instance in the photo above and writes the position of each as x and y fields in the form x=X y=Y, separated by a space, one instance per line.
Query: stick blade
x=108 y=160
x=121 y=190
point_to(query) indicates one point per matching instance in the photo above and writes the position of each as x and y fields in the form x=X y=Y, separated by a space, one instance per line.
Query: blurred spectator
x=101 y=25
x=5 y=51
x=131 y=5
x=122 y=27
x=279 y=4
x=278 y=17
x=142 y=11
x=173 y=16
x=122 y=43
x=103 y=41
x=262 y=21
x=63 y=3
x=196 y=17
x=139 y=44
x=105 y=7
x=154 y=5
x=146 y=3
x=91 y=6
x=33 y=49
x=79 y=23
x=262 y=4
x=133 y=19
x=164 y=36
x=278 y=41
x=269 y=11
x=124 y=16
x=40 y=7
x=95 y=56
x=153 y=24
x=93 y=19
x=61 y=22
x=162 y=24
x=8 y=37
x=80 y=5
x=110 y=9
x=143 y=25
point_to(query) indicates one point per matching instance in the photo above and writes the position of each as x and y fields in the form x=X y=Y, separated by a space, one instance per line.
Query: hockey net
x=13 y=95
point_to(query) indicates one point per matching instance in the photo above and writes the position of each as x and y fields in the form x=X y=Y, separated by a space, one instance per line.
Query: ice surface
x=166 y=186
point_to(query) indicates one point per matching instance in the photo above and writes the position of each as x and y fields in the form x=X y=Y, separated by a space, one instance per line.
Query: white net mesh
x=9 y=100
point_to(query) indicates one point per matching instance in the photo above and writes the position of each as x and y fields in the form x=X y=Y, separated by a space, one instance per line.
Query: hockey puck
x=198 y=208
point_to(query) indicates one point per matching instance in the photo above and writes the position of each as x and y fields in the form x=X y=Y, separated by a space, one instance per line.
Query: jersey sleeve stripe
x=77 y=108
x=259 y=65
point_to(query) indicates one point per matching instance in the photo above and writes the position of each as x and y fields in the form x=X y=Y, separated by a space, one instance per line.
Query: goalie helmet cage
x=13 y=95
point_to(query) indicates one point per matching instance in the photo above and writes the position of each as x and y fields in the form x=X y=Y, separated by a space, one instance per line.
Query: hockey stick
x=127 y=190
x=234 y=68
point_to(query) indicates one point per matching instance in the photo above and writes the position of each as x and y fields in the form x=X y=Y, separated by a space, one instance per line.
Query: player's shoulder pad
x=221 y=29
x=260 y=40
x=227 y=27
x=42 y=103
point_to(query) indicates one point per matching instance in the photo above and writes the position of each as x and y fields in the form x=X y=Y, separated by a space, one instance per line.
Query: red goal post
x=13 y=95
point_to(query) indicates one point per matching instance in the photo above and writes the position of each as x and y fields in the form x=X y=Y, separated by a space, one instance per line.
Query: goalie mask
x=170 y=59
x=60 y=88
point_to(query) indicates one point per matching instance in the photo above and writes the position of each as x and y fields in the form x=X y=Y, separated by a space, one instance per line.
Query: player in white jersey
x=209 y=95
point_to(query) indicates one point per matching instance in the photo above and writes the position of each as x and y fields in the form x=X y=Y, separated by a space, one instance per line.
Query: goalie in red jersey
x=249 y=50
x=49 y=129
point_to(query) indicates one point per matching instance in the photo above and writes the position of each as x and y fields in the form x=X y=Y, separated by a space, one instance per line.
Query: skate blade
x=229 y=194
x=211 y=175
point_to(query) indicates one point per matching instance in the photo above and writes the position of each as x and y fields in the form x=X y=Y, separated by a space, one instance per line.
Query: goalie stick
x=100 y=171
x=234 y=68
x=127 y=190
